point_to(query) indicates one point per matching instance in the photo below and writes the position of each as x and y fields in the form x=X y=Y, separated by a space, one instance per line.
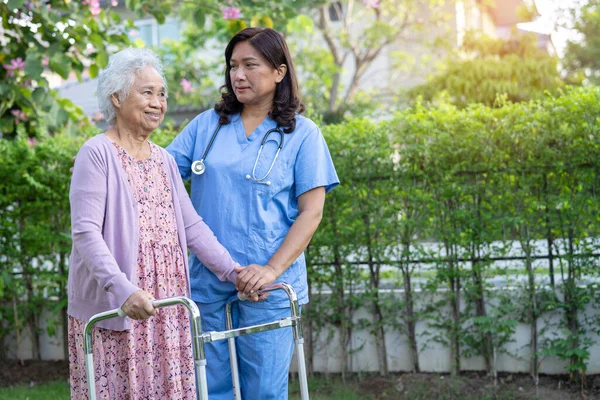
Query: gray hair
x=118 y=77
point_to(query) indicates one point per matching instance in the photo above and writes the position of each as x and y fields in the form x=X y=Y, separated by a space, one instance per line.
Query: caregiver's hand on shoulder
x=254 y=277
x=139 y=305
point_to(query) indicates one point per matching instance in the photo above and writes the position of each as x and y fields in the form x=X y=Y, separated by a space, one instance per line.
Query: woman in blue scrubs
x=262 y=205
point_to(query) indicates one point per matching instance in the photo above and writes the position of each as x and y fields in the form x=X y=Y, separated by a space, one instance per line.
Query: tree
x=355 y=33
x=486 y=67
x=41 y=37
x=582 y=57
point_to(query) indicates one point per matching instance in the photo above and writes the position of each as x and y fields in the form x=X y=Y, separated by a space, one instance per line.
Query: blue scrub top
x=251 y=219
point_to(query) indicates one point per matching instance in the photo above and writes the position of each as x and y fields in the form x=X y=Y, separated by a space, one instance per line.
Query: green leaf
x=33 y=66
x=200 y=18
x=61 y=64
x=14 y=4
x=116 y=17
x=302 y=23
x=97 y=40
x=7 y=125
x=102 y=59
x=93 y=71
x=41 y=98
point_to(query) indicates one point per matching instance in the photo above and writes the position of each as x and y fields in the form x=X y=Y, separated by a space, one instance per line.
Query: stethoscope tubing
x=198 y=166
x=212 y=140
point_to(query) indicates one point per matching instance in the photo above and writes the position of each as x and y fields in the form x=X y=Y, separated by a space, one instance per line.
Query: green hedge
x=474 y=180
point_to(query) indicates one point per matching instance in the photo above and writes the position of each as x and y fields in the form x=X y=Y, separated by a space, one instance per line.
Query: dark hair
x=286 y=103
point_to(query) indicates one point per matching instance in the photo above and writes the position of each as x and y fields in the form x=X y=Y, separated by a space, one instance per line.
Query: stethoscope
x=199 y=166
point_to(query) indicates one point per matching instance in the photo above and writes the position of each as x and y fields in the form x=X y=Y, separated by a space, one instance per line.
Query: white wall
x=434 y=358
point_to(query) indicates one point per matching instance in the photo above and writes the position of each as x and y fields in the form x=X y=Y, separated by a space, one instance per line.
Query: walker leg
x=201 y=382
x=235 y=378
x=199 y=352
x=302 y=369
x=91 y=380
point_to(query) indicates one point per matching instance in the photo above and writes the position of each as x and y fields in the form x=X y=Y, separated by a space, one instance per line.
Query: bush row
x=475 y=181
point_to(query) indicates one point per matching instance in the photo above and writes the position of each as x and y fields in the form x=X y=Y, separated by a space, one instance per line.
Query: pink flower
x=31 y=142
x=134 y=33
x=15 y=65
x=231 y=13
x=371 y=3
x=114 y=3
x=19 y=115
x=45 y=62
x=186 y=85
x=95 y=7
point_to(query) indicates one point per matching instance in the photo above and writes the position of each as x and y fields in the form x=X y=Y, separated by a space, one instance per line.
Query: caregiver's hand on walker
x=139 y=306
x=253 y=277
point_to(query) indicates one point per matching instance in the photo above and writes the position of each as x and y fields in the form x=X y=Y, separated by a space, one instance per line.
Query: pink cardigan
x=104 y=224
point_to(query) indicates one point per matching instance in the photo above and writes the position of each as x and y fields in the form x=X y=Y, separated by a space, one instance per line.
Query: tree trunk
x=549 y=238
x=533 y=342
x=378 y=318
x=410 y=320
x=32 y=322
x=27 y=279
x=341 y=301
x=480 y=311
x=380 y=336
x=571 y=307
x=454 y=286
x=17 y=329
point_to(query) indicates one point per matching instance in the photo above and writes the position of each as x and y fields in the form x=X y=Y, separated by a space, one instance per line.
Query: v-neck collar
x=241 y=132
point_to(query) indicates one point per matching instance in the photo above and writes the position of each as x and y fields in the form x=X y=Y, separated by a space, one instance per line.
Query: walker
x=199 y=339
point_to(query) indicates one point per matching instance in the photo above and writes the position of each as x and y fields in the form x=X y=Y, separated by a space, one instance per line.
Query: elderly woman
x=132 y=222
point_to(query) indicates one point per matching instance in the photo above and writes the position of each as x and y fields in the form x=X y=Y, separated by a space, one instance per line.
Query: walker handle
x=155 y=304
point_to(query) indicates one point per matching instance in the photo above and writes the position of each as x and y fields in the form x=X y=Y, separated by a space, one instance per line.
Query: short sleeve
x=314 y=166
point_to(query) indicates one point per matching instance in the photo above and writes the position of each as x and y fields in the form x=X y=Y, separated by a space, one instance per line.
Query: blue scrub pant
x=263 y=358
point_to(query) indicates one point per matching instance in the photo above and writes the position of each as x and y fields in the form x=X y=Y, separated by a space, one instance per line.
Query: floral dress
x=154 y=359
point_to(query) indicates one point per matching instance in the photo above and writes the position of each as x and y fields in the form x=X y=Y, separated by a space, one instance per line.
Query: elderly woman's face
x=146 y=104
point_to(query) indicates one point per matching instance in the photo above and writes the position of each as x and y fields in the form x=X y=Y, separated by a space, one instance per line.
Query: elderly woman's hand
x=139 y=305
x=253 y=277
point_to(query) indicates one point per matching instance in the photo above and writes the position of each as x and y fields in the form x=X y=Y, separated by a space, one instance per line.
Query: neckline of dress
x=122 y=149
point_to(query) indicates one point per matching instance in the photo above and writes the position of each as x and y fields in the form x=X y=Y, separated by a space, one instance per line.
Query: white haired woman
x=132 y=221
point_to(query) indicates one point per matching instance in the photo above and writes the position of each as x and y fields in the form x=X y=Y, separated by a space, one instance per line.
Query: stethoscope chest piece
x=198 y=167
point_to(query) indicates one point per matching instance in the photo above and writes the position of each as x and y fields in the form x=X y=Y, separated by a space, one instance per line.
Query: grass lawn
x=328 y=389
x=48 y=391
x=320 y=389
x=468 y=386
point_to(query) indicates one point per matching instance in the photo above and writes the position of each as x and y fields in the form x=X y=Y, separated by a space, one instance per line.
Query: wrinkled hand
x=252 y=278
x=139 y=305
